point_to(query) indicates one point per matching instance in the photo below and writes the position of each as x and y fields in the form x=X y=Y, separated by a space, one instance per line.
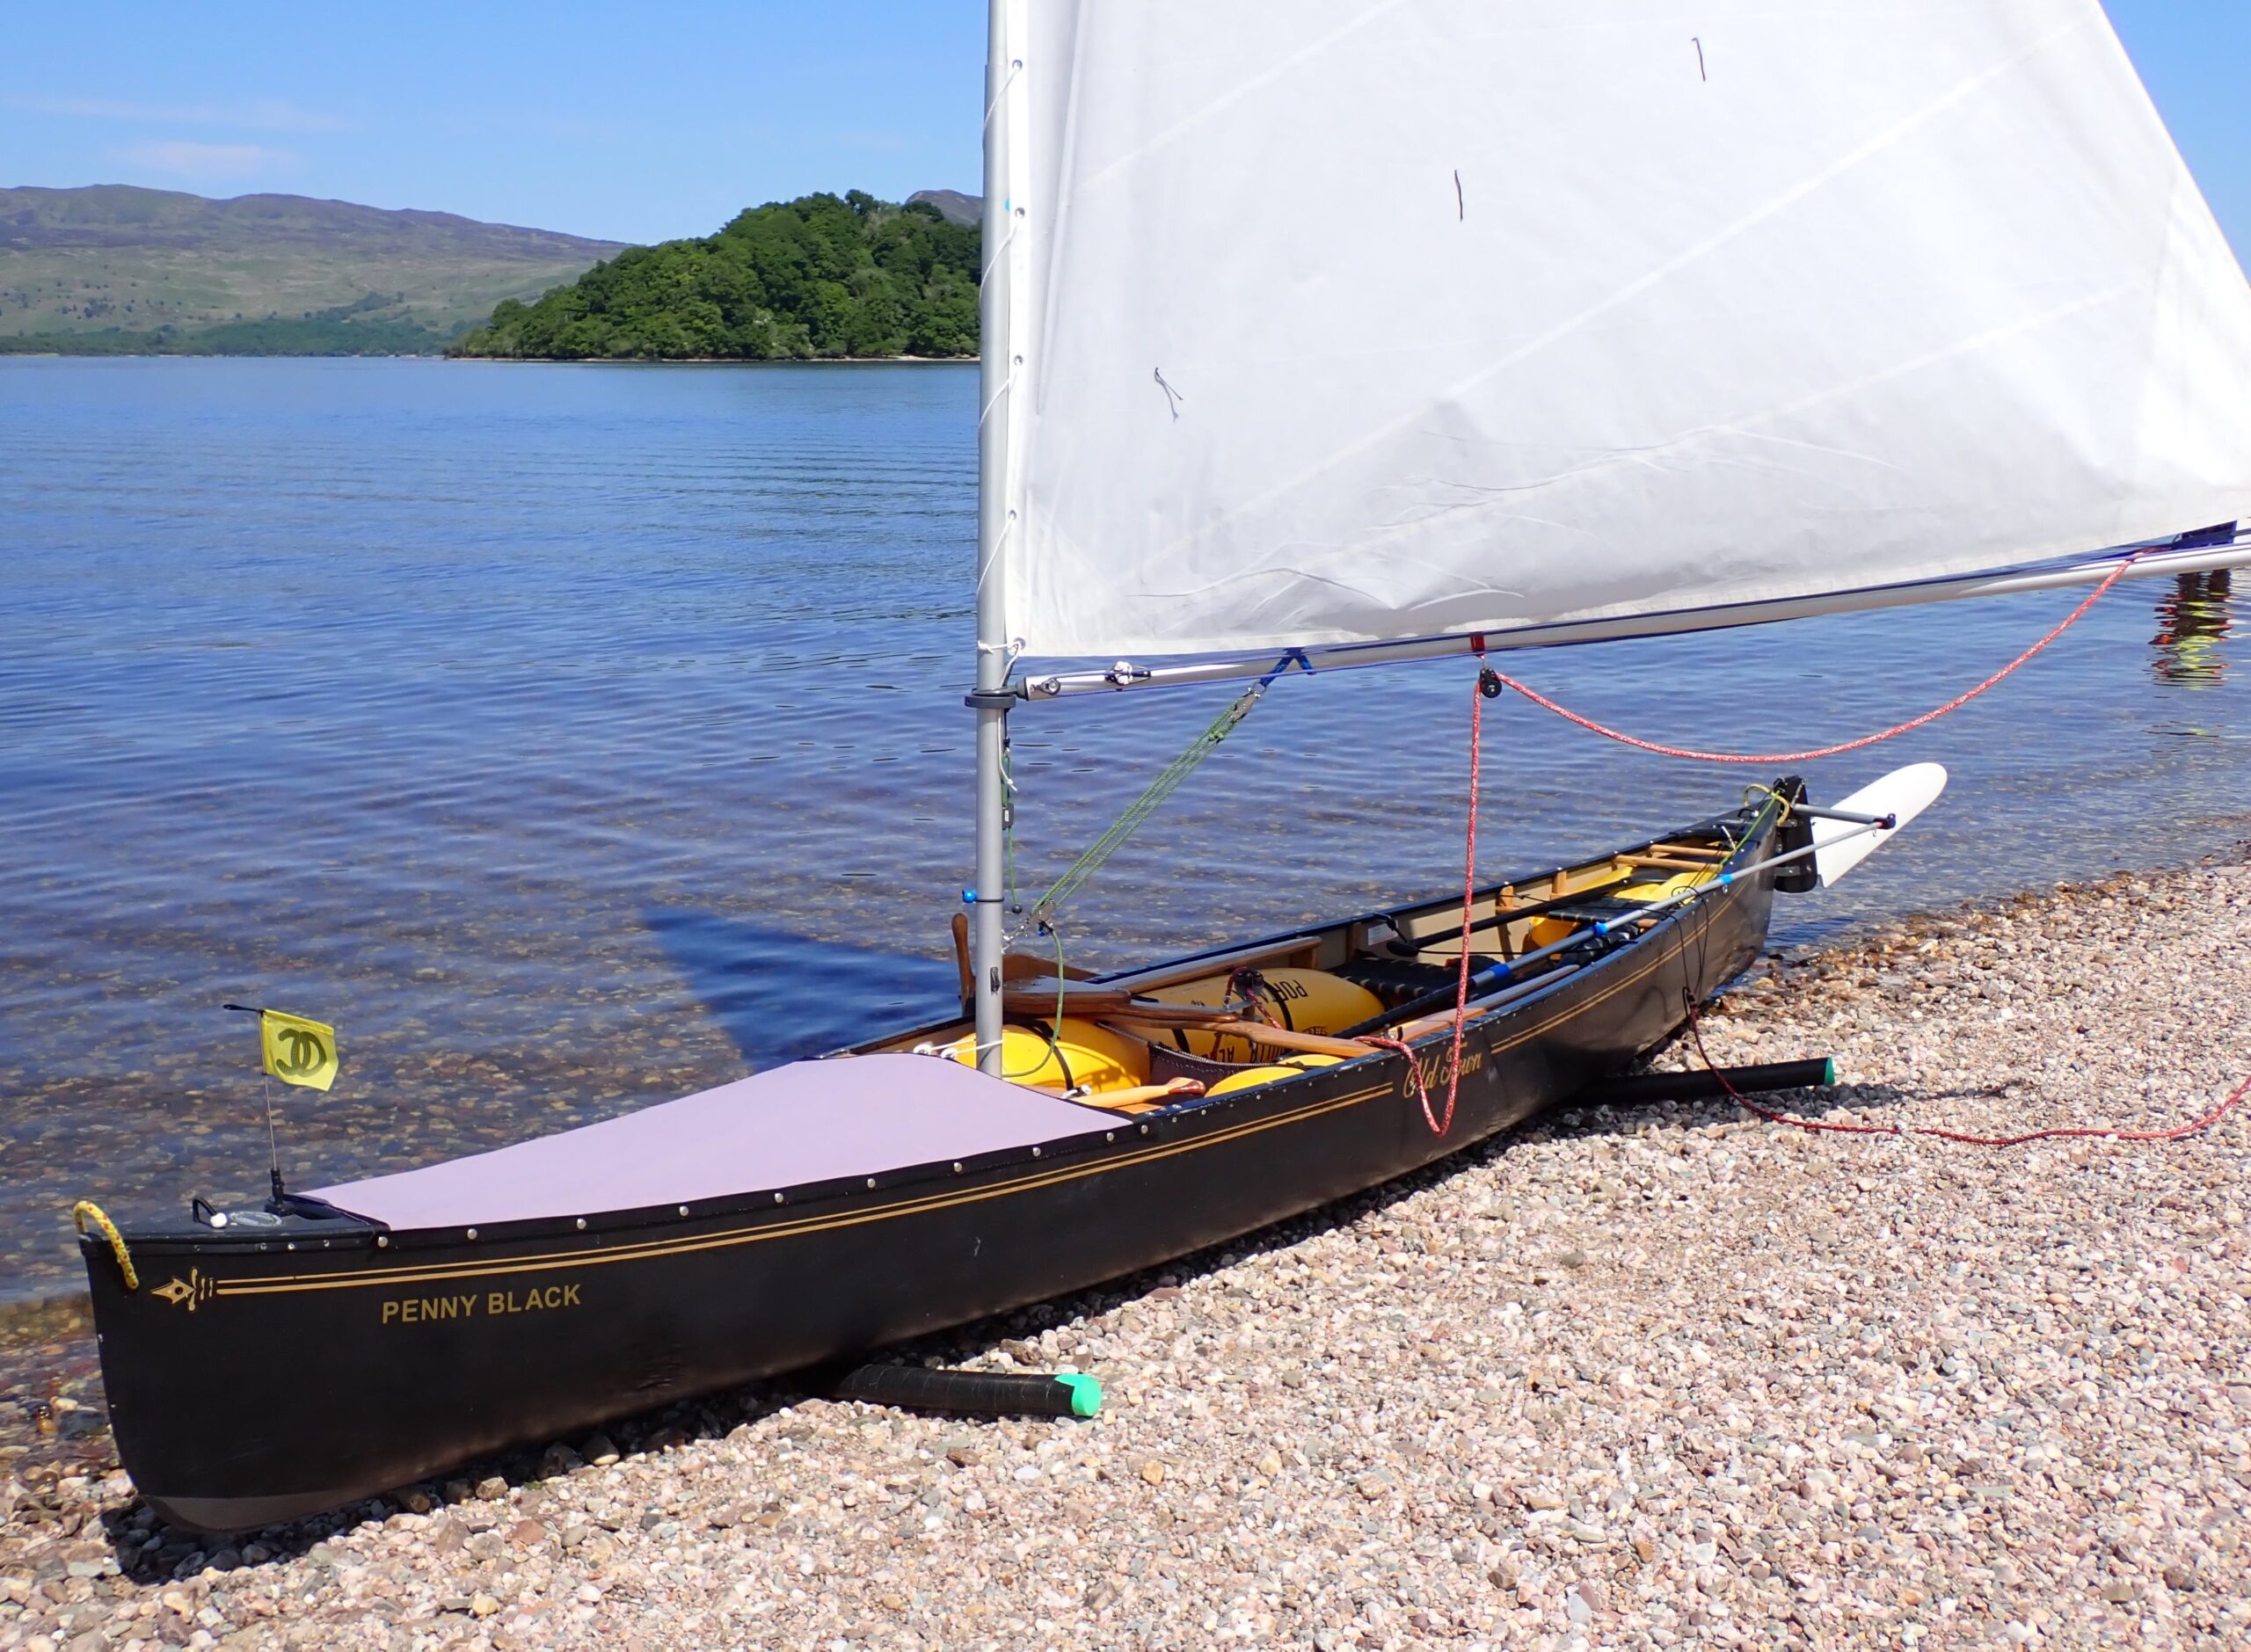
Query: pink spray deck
x=811 y=1121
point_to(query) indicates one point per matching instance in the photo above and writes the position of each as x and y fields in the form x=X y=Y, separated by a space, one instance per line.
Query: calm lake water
x=576 y=737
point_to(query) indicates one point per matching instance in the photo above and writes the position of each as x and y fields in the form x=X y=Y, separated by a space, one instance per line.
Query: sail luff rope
x=1912 y=723
x=1152 y=798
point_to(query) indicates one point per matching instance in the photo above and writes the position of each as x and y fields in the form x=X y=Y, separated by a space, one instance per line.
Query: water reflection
x=2193 y=622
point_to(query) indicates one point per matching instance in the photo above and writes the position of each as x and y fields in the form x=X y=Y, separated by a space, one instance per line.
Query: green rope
x=1044 y=910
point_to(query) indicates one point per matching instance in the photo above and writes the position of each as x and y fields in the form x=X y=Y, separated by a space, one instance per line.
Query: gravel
x=1657 y=1377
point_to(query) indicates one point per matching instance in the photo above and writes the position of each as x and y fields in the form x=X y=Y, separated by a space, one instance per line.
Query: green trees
x=818 y=276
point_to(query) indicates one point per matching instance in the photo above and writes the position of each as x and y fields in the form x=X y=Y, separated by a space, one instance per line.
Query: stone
x=1734 y=1431
x=559 y=1459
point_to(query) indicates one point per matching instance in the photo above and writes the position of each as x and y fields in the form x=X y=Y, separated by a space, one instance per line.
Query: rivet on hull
x=472 y=1232
x=582 y=1224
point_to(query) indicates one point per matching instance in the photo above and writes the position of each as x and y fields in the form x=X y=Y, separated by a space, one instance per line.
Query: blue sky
x=636 y=122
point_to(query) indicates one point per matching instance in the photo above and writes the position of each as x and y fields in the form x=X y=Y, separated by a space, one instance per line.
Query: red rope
x=1955 y=705
x=2193 y=1127
x=1439 y=1126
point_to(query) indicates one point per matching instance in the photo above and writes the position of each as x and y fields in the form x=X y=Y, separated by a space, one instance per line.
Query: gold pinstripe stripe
x=783 y=1230
x=437 y=1273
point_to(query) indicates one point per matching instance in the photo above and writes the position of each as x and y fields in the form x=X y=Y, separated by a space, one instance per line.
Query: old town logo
x=190 y=1293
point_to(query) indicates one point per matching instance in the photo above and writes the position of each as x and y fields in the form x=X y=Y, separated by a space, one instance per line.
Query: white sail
x=1358 y=319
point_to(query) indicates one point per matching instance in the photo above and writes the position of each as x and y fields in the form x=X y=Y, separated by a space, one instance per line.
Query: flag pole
x=273 y=1136
x=273 y=1143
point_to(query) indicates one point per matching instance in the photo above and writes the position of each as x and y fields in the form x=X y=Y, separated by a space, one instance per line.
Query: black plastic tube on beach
x=1818 y=1073
x=985 y=1392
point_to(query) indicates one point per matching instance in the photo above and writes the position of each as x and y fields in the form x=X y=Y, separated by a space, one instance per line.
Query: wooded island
x=820 y=276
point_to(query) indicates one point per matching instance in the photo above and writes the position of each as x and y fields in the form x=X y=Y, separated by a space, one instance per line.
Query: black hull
x=256 y=1376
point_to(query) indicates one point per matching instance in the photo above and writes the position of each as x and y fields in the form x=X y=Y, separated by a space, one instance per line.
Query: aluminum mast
x=1003 y=98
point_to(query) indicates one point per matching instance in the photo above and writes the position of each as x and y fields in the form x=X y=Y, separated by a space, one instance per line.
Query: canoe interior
x=1394 y=953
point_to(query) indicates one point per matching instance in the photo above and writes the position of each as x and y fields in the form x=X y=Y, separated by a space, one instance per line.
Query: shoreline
x=441 y=355
x=1671 y=1376
x=720 y=361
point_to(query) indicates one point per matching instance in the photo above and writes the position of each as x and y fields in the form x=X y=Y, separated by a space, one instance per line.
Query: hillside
x=952 y=204
x=816 y=277
x=111 y=269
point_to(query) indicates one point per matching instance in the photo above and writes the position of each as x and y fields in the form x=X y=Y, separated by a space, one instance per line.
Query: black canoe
x=275 y=1365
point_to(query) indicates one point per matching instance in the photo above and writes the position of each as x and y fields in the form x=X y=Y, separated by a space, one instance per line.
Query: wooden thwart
x=1664 y=863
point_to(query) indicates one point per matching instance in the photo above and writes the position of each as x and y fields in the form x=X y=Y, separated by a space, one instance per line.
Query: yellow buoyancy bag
x=1081 y=1055
x=1307 y=1000
x=1250 y=1078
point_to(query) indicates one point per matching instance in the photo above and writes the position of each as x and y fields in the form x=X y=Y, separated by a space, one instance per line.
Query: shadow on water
x=780 y=997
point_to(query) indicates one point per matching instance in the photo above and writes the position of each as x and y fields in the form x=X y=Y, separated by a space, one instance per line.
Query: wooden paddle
x=1256 y=1032
x=1036 y=1000
x=1023 y=978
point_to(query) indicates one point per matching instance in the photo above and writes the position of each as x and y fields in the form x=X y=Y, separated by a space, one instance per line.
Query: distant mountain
x=113 y=269
x=952 y=204
x=847 y=277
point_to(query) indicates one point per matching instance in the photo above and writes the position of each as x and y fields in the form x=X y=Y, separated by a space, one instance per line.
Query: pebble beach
x=1671 y=1376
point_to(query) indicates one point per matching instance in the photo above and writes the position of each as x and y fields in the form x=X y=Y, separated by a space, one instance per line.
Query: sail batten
x=1438 y=315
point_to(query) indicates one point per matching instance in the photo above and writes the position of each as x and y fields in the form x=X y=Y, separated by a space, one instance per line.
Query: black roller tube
x=980 y=1393
x=1695 y=1087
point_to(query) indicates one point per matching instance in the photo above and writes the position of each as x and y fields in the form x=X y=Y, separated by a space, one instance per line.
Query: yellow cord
x=86 y=1210
x=1750 y=793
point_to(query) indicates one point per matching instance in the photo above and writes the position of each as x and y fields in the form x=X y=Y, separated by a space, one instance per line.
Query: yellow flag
x=297 y=1051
